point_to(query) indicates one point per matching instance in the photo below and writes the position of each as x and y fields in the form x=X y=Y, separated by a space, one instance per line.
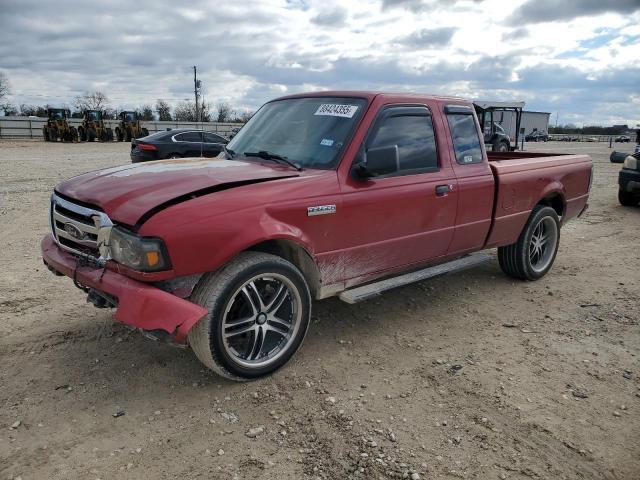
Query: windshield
x=93 y=115
x=308 y=131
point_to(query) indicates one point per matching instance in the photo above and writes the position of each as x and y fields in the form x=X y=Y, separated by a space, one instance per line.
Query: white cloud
x=250 y=51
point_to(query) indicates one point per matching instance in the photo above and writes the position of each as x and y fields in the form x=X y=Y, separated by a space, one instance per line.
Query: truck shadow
x=109 y=356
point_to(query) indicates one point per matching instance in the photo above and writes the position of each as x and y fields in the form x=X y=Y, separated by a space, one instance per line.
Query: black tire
x=618 y=157
x=45 y=134
x=145 y=132
x=119 y=135
x=628 y=199
x=219 y=291
x=91 y=135
x=109 y=135
x=174 y=155
x=82 y=134
x=516 y=260
x=500 y=146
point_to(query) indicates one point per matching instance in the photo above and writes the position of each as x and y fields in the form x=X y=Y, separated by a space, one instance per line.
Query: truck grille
x=78 y=229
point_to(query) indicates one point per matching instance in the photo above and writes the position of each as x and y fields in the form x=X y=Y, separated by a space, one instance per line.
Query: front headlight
x=139 y=253
x=630 y=163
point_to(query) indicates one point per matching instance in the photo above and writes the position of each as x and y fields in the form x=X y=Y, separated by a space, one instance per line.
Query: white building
x=531 y=121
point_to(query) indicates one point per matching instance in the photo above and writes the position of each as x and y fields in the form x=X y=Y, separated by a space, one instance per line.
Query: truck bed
x=522 y=179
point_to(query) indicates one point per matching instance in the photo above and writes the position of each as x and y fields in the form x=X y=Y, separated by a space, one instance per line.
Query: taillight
x=146 y=146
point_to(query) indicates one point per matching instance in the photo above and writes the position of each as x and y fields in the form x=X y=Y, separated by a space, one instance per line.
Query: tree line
x=590 y=129
x=184 y=111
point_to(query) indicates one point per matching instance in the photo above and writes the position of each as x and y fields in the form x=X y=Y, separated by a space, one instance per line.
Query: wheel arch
x=556 y=200
x=295 y=253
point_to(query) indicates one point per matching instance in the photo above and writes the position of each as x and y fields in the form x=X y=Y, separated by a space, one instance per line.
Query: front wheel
x=532 y=256
x=259 y=309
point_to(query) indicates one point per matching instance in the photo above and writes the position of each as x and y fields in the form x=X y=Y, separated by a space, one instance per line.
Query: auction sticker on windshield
x=336 y=110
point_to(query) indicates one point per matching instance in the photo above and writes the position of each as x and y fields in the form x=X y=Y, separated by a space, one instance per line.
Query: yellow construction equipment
x=57 y=126
x=129 y=127
x=93 y=127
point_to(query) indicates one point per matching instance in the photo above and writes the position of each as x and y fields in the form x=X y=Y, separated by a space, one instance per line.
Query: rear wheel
x=259 y=309
x=532 y=256
x=627 y=199
x=119 y=134
x=91 y=135
x=145 y=132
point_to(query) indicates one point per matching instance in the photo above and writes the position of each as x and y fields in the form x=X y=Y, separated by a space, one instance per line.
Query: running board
x=365 y=292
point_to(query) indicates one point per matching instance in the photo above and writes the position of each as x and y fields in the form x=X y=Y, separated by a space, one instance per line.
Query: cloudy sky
x=580 y=58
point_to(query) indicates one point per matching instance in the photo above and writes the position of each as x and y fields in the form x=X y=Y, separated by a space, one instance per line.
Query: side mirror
x=379 y=161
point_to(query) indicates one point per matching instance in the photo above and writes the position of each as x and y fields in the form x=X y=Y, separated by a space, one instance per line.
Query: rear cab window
x=464 y=134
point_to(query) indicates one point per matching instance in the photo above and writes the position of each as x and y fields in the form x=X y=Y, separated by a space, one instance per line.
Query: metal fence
x=584 y=137
x=31 y=127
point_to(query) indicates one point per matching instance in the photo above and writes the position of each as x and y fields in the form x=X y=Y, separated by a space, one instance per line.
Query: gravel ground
x=467 y=376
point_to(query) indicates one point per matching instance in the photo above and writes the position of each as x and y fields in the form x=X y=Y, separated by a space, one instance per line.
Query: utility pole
x=195 y=89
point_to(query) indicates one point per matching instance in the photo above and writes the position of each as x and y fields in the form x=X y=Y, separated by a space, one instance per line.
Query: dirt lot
x=549 y=384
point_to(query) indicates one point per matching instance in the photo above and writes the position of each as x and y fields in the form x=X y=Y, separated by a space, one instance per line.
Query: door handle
x=442 y=190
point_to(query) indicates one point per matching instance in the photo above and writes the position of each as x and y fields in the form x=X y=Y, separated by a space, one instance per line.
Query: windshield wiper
x=229 y=152
x=273 y=156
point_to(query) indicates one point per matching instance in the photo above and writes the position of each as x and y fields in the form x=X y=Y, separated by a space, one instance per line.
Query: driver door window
x=413 y=134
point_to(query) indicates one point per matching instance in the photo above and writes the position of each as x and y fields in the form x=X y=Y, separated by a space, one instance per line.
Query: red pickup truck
x=317 y=195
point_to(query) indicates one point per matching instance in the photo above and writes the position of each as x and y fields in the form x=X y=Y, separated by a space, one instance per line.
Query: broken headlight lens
x=139 y=253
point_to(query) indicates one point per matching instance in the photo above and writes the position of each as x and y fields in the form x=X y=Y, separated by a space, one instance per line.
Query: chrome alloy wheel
x=261 y=319
x=543 y=244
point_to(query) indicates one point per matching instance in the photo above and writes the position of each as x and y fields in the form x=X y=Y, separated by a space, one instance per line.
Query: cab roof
x=370 y=95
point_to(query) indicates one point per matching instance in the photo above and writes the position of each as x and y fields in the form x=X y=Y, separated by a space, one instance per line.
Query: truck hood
x=130 y=192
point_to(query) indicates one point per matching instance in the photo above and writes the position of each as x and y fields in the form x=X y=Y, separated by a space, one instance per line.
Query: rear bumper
x=137 y=156
x=139 y=304
x=629 y=180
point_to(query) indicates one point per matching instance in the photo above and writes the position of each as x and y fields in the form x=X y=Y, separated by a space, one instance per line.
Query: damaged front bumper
x=139 y=304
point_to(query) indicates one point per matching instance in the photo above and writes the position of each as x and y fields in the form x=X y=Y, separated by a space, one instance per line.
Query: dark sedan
x=537 y=136
x=176 y=143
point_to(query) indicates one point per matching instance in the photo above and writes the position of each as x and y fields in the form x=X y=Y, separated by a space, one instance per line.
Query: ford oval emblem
x=74 y=231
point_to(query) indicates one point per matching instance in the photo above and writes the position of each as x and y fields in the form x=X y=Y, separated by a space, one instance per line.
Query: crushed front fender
x=139 y=304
